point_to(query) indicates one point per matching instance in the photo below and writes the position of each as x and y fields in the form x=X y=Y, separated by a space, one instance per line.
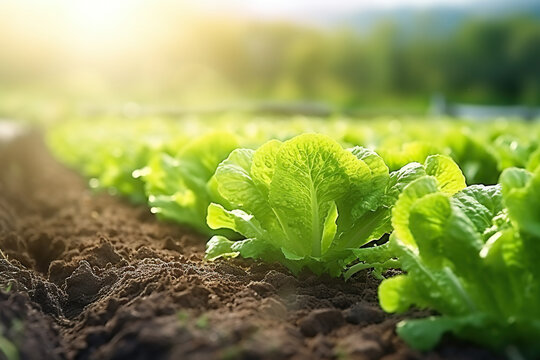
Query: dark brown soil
x=89 y=276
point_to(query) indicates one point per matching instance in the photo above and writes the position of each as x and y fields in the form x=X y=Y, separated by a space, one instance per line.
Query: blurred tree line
x=491 y=60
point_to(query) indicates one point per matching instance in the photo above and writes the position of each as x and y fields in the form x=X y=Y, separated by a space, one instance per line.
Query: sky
x=295 y=8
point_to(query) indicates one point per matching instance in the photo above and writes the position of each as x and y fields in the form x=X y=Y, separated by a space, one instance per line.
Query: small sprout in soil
x=8 y=349
x=202 y=322
x=183 y=317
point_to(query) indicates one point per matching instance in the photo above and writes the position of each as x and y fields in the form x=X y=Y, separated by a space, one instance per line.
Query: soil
x=91 y=276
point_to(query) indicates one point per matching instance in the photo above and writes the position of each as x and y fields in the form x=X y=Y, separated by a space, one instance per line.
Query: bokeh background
x=386 y=56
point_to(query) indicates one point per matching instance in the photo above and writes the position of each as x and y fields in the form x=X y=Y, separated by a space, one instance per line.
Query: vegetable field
x=236 y=237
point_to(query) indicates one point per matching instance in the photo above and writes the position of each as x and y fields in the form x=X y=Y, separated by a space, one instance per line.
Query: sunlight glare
x=101 y=24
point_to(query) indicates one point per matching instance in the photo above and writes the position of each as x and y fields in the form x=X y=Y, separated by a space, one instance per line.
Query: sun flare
x=101 y=24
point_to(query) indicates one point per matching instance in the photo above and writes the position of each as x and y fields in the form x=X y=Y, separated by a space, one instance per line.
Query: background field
x=59 y=57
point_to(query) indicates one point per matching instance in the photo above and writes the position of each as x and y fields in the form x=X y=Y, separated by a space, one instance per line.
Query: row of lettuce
x=455 y=206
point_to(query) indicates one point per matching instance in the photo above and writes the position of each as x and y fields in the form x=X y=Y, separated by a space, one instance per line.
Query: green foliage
x=170 y=164
x=180 y=187
x=476 y=157
x=472 y=257
x=8 y=349
x=109 y=151
x=534 y=160
x=402 y=153
x=307 y=202
x=326 y=202
x=438 y=173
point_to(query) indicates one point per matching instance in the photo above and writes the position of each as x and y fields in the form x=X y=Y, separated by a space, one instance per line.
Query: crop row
x=339 y=196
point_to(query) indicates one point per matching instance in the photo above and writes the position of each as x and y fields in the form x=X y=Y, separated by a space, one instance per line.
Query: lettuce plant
x=181 y=187
x=308 y=202
x=473 y=258
x=534 y=160
x=397 y=153
x=476 y=157
x=109 y=153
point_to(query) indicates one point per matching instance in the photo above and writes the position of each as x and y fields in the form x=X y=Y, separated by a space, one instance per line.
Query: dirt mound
x=89 y=276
